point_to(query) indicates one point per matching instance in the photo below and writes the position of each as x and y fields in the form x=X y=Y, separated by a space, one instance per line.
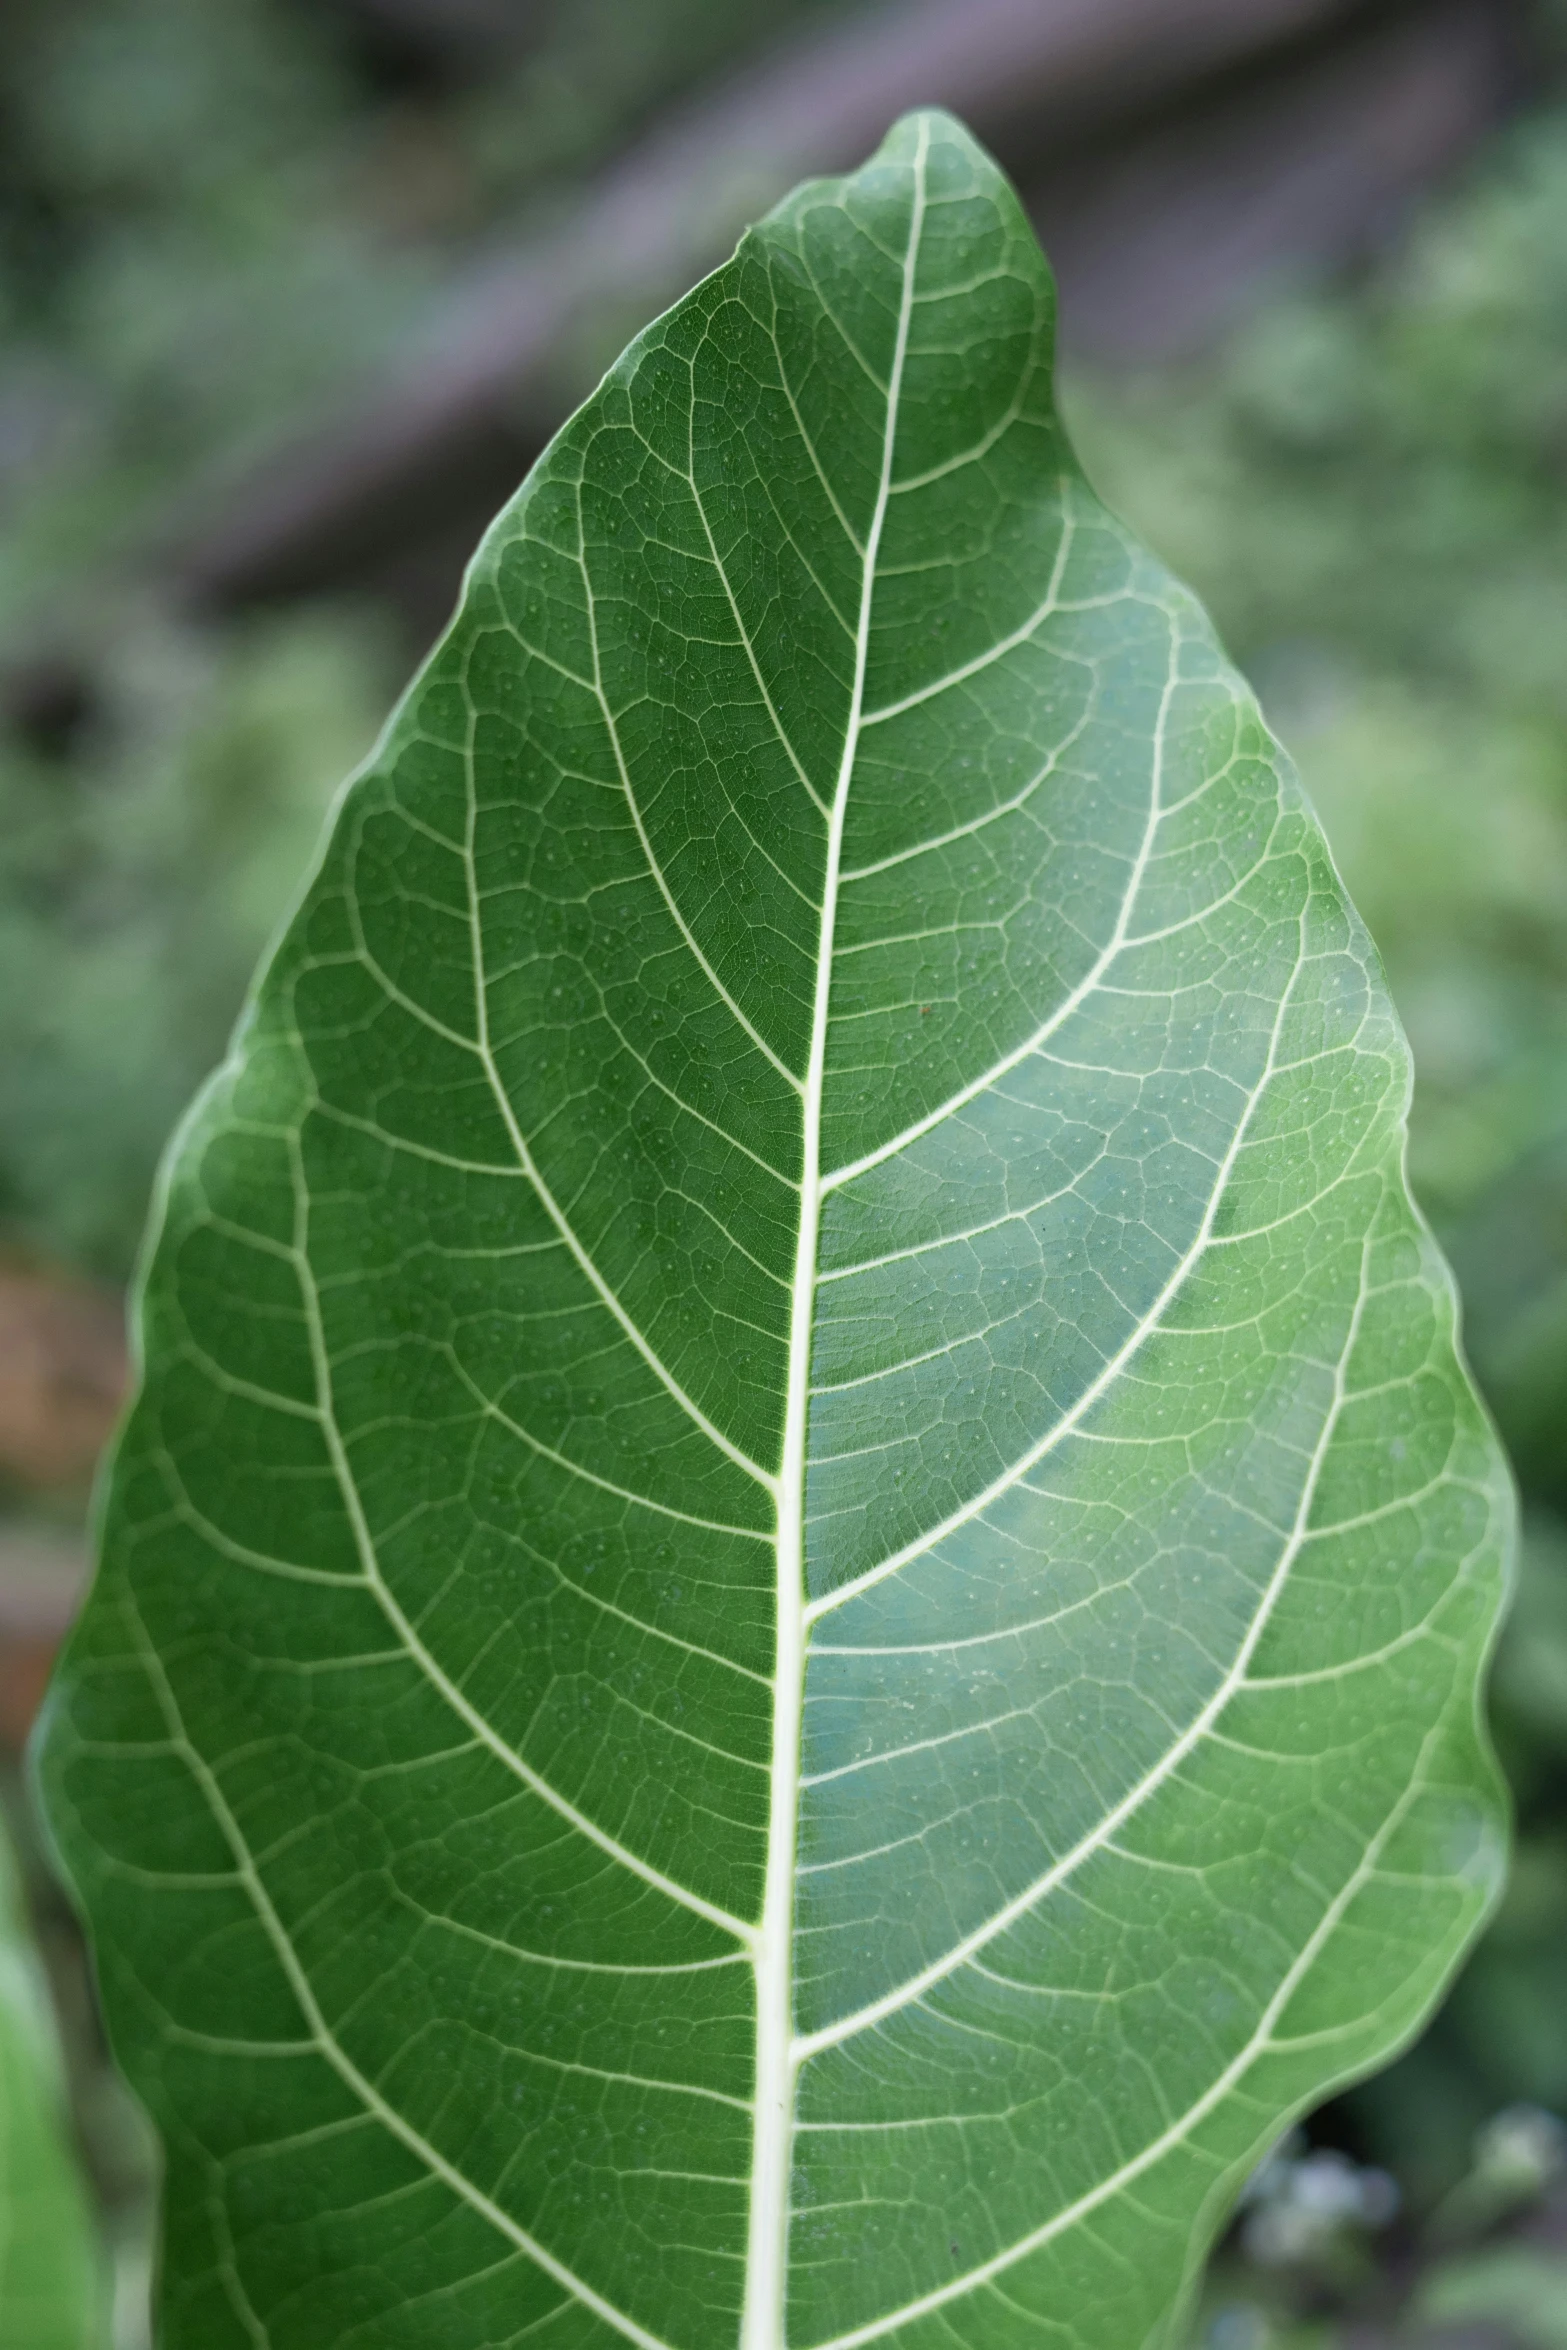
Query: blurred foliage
x=51 y=2281
x=211 y=216
x=214 y=218
x=1320 y=2239
x=138 y=884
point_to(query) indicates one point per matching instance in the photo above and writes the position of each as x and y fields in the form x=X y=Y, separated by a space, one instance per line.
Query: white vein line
x=547 y=1452
x=227 y=2270
x=1445 y=1477
x=1006 y=644
x=666 y=1639
x=547 y=1199
x=806 y=442
x=946 y=1350
x=598 y=2072
x=1201 y=1724
x=654 y=868
x=1095 y=1387
x=793 y=543
x=1366 y=1661
x=769 y=704
x=223 y=2043
x=183 y=1511
x=529 y=1170
x=1243 y=882
x=963 y=1234
x=363 y=954
x=385 y=1139
x=802 y=255
x=419 y=1655
x=634 y=1052
x=987 y=441
x=689 y=1109
x=950 y=291
x=767 y=2244
x=1113 y=946
x=189 y=1349
x=975 y=824
x=433 y=1924
x=1141 y=1330
x=980 y=1728
x=328 y=2045
x=1259 y=2044
x=532 y=652
x=1020 y=1631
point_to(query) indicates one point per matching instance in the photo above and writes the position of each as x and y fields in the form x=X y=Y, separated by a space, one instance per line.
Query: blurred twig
x=62 y=1375
x=1159 y=239
x=523 y=337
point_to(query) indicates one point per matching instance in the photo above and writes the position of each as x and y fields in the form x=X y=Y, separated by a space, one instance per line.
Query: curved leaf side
x=51 y=2283
x=790 y=1625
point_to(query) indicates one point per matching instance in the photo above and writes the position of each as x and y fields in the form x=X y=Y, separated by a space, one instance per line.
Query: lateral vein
x=656 y=870
x=1200 y=1727
x=325 y=2040
x=1113 y=946
x=418 y=1654
x=547 y=1199
x=1181 y=2128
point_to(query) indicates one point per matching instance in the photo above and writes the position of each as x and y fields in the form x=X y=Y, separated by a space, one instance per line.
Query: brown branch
x=525 y=336
x=1159 y=240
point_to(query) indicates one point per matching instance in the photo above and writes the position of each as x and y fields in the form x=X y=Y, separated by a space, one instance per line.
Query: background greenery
x=213 y=214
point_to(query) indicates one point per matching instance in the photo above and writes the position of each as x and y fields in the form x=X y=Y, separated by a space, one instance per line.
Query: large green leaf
x=790 y=1624
x=51 y=2282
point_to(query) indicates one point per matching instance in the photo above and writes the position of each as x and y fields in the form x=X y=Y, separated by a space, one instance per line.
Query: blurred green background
x=1315 y=350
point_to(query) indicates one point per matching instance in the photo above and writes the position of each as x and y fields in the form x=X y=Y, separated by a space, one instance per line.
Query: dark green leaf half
x=790 y=1624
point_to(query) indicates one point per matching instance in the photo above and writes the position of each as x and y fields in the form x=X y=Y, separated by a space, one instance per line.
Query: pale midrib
x=767 y=2247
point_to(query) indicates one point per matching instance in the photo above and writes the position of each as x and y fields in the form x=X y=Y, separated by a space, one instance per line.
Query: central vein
x=762 y=2323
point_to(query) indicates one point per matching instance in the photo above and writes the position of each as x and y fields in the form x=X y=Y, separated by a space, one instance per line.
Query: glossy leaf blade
x=790 y=1624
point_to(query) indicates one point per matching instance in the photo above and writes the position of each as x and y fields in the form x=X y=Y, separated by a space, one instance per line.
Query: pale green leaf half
x=790 y=1624
x=51 y=2281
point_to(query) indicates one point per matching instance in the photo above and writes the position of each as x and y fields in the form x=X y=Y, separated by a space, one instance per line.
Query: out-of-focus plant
x=1317 y=2261
x=137 y=887
x=52 y=2286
